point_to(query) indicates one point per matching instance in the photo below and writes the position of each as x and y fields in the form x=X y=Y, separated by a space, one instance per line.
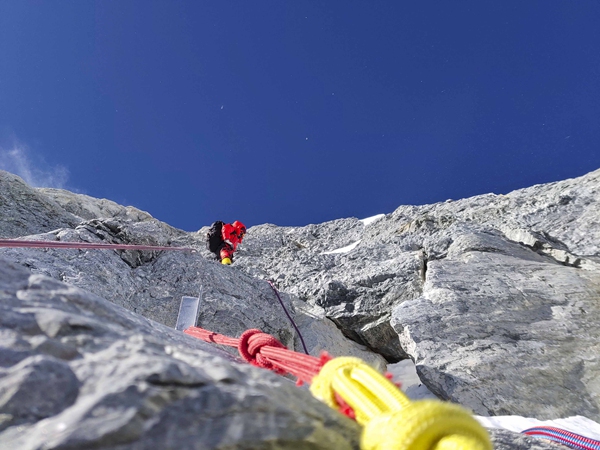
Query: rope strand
x=18 y=243
x=289 y=317
x=391 y=421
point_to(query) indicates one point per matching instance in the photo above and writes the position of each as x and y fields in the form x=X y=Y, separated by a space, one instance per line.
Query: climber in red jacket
x=232 y=235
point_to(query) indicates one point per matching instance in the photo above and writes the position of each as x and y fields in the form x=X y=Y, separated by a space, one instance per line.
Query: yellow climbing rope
x=391 y=421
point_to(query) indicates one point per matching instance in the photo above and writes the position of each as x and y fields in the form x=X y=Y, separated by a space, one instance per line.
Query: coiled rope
x=391 y=421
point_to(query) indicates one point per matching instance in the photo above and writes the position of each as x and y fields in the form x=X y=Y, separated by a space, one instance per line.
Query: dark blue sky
x=297 y=112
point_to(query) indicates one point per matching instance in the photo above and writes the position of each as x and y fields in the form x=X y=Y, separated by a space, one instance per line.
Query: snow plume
x=36 y=172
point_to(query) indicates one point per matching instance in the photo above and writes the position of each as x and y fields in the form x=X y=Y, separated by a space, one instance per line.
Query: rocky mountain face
x=495 y=298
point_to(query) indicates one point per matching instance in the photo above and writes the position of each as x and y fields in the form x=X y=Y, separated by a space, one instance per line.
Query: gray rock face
x=103 y=377
x=357 y=290
x=25 y=211
x=152 y=283
x=80 y=372
x=524 y=324
x=495 y=298
x=38 y=387
x=89 y=208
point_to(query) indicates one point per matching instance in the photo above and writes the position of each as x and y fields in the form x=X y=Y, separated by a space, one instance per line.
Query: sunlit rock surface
x=494 y=297
x=80 y=372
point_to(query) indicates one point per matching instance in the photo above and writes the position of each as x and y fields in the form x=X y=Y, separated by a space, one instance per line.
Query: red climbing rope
x=18 y=243
x=348 y=384
x=263 y=350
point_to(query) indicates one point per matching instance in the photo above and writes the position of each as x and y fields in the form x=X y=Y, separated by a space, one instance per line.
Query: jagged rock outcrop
x=495 y=298
x=88 y=208
x=152 y=283
x=507 y=330
x=24 y=210
x=77 y=371
x=357 y=289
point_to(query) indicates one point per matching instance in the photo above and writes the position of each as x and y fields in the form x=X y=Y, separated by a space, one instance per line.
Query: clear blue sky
x=297 y=112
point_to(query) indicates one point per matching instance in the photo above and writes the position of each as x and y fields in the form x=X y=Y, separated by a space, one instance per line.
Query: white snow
x=345 y=249
x=349 y=248
x=373 y=219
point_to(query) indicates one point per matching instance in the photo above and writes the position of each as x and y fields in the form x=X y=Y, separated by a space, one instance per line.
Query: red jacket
x=231 y=235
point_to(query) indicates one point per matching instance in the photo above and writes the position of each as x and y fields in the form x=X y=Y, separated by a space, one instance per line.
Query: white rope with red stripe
x=19 y=243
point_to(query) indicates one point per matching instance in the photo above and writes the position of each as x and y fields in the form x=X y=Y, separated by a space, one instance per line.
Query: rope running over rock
x=391 y=421
x=18 y=243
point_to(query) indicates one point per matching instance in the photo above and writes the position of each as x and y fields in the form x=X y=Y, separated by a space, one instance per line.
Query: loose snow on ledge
x=373 y=219
x=346 y=249
x=349 y=248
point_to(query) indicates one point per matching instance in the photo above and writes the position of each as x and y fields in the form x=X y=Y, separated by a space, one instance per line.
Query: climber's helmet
x=240 y=227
